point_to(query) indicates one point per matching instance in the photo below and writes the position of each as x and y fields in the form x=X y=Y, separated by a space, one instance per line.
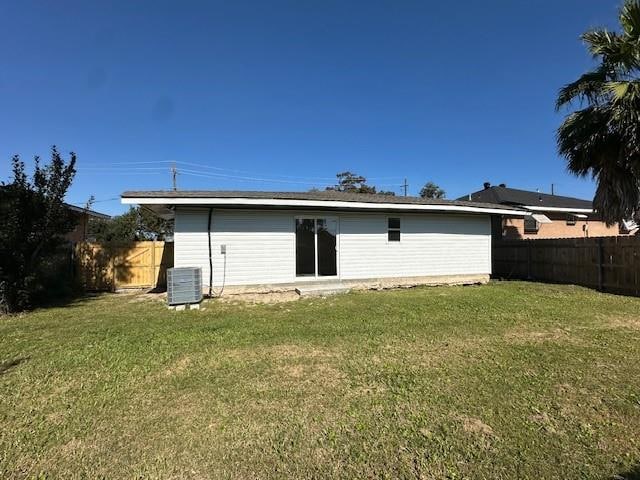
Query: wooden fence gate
x=107 y=267
x=610 y=264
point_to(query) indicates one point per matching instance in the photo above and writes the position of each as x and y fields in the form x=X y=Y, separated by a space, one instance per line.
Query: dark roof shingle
x=321 y=195
x=515 y=197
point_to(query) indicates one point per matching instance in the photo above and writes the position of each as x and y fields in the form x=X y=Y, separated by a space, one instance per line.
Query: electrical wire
x=253 y=176
x=319 y=179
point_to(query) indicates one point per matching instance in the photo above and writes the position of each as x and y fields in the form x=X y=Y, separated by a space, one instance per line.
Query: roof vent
x=487 y=185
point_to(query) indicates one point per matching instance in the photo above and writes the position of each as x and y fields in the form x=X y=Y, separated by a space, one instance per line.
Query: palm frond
x=618 y=89
x=583 y=136
x=630 y=19
x=616 y=51
x=589 y=87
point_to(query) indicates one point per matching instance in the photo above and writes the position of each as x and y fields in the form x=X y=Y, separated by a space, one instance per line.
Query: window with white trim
x=393 y=229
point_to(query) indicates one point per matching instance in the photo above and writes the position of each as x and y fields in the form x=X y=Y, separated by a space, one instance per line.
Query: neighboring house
x=277 y=238
x=552 y=216
x=82 y=216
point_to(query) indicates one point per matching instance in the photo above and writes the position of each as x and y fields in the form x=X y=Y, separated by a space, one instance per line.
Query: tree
x=354 y=183
x=351 y=182
x=431 y=190
x=602 y=139
x=136 y=224
x=33 y=222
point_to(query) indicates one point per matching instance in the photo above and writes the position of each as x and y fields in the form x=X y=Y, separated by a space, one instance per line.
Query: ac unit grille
x=184 y=285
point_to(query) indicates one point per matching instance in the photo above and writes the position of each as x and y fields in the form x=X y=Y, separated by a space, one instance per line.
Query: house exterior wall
x=432 y=244
x=261 y=245
x=513 y=228
x=79 y=232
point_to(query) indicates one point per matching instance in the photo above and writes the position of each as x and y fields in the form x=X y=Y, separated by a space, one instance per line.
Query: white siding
x=261 y=245
x=430 y=244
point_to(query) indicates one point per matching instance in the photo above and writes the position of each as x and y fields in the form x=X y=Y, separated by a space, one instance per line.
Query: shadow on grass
x=9 y=364
x=632 y=474
x=67 y=300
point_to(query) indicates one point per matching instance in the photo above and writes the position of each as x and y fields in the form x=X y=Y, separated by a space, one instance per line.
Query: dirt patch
x=320 y=373
x=297 y=351
x=476 y=426
x=144 y=296
x=178 y=367
x=628 y=322
x=523 y=336
x=544 y=421
x=260 y=298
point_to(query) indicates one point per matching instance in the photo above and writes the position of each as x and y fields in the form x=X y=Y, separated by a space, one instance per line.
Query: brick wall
x=513 y=228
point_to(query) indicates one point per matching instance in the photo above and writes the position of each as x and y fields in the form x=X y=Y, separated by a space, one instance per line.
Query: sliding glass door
x=316 y=247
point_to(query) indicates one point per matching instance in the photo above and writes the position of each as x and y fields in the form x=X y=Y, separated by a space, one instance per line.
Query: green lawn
x=507 y=380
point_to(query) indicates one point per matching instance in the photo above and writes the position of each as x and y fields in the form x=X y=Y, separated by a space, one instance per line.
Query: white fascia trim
x=278 y=202
x=559 y=209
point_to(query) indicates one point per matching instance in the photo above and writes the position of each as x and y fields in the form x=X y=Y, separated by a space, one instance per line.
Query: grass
x=507 y=380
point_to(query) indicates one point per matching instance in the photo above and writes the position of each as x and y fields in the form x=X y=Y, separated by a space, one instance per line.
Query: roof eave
x=334 y=204
x=535 y=208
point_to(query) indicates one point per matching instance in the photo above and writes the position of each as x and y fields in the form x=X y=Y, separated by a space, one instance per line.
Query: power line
x=134 y=164
x=120 y=168
x=197 y=173
x=95 y=201
x=293 y=177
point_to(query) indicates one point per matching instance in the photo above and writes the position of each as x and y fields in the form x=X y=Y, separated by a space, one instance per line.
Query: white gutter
x=278 y=202
x=558 y=209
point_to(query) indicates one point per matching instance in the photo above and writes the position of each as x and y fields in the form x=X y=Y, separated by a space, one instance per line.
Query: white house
x=271 y=239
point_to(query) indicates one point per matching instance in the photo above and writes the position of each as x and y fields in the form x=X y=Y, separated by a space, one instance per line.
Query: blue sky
x=293 y=92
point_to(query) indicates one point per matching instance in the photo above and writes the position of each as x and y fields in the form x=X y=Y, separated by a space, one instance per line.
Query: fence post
x=153 y=263
x=528 y=259
x=600 y=264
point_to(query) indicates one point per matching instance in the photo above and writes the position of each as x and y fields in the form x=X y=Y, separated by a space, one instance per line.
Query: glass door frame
x=315 y=219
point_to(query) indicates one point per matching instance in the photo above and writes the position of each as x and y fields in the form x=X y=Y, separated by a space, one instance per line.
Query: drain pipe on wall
x=223 y=249
x=210 y=257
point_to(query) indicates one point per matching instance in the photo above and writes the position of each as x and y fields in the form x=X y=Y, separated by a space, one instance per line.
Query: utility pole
x=174 y=176
x=405 y=185
x=552 y=189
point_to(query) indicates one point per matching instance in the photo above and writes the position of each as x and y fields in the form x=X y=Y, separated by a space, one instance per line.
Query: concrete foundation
x=364 y=284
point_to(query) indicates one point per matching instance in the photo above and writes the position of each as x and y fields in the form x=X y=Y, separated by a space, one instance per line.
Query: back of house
x=283 y=238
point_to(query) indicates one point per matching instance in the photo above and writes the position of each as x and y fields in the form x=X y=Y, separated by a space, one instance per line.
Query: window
x=571 y=220
x=530 y=225
x=393 y=229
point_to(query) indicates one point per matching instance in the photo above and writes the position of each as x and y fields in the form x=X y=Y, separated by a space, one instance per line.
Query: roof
x=319 y=198
x=540 y=201
x=91 y=213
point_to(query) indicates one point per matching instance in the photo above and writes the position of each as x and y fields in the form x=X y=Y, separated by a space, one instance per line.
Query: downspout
x=210 y=258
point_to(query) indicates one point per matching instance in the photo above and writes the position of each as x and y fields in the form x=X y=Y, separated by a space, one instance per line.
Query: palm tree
x=603 y=138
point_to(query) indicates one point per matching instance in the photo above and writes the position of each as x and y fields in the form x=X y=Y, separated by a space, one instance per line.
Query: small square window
x=530 y=225
x=393 y=229
x=571 y=220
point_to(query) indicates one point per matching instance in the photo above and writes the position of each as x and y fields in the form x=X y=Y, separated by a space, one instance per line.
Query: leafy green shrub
x=33 y=222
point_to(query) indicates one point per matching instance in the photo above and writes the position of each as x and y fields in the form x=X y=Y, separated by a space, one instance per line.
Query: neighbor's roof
x=539 y=201
x=320 y=198
x=91 y=213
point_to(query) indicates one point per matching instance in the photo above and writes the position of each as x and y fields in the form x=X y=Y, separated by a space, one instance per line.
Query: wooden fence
x=108 y=267
x=610 y=264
